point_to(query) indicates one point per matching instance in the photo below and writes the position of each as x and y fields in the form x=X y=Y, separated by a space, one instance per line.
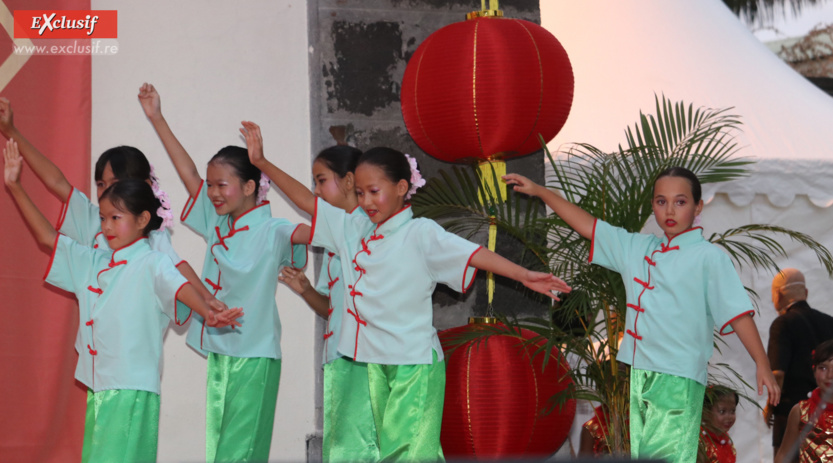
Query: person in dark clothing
x=792 y=338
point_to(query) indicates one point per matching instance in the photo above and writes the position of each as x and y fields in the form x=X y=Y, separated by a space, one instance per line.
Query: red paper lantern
x=497 y=393
x=485 y=88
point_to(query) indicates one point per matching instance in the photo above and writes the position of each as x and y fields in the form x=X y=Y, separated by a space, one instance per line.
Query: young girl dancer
x=79 y=217
x=246 y=248
x=815 y=413
x=391 y=264
x=678 y=287
x=719 y=406
x=126 y=295
x=349 y=429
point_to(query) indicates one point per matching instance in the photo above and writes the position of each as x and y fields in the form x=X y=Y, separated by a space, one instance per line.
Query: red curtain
x=42 y=406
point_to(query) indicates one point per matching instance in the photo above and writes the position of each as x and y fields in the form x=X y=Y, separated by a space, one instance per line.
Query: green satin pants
x=121 y=425
x=349 y=428
x=240 y=408
x=407 y=403
x=666 y=411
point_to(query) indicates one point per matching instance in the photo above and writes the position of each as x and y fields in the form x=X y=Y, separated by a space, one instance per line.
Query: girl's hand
x=149 y=99
x=545 y=283
x=13 y=163
x=766 y=378
x=522 y=184
x=216 y=304
x=254 y=142
x=225 y=318
x=6 y=117
x=295 y=279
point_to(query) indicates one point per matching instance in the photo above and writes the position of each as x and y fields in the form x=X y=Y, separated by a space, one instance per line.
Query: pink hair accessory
x=263 y=190
x=164 y=210
x=416 y=178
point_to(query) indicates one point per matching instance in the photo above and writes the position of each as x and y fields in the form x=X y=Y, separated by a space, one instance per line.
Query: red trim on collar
x=292 y=249
x=189 y=204
x=183 y=261
x=127 y=246
x=751 y=313
x=313 y=220
x=176 y=297
x=405 y=207
x=64 y=209
x=234 y=222
x=466 y=270
x=52 y=257
x=592 y=241
x=682 y=233
x=354 y=209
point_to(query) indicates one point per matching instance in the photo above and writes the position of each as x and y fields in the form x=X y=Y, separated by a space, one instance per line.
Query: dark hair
x=340 y=159
x=716 y=392
x=125 y=161
x=823 y=352
x=696 y=190
x=238 y=159
x=134 y=196
x=392 y=162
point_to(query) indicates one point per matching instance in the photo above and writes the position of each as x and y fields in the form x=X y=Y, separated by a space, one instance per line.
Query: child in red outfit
x=719 y=406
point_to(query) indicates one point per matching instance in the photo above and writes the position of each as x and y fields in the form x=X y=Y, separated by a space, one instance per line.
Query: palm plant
x=615 y=187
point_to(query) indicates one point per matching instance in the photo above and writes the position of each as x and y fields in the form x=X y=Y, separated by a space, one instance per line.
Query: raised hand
x=254 y=141
x=149 y=99
x=295 y=279
x=13 y=163
x=6 y=117
x=522 y=184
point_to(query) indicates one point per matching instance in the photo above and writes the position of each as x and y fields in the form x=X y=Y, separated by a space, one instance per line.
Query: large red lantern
x=498 y=393
x=486 y=88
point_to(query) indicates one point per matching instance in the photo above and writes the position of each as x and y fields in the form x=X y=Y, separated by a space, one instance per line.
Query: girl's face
x=107 y=179
x=823 y=372
x=674 y=206
x=119 y=227
x=378 y=195
x=338 y=191
x=227 y=191
x=723 y=413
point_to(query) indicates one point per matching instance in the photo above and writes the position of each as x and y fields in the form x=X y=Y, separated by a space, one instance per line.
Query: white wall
x=215 y=63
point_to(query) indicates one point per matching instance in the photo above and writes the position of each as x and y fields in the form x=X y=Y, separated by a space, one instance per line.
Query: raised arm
x=46 y=170
x=544 y=283
x=43 y=230
x=577 y=218
x=185 y=167
x=295 y=190
x=747 y=332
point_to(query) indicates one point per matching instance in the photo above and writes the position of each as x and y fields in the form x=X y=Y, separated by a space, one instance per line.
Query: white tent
x=624 y=53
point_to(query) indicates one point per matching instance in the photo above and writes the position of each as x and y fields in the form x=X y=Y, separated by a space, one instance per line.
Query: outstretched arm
x=46 y=170
x=43 y=230
x=791 y=435
x=577 y=218
x=188 y=272
x=217 y=319
x=295 y=279
x=295 y=190
x=185 y=167
x=747 y=332
x=544 y=283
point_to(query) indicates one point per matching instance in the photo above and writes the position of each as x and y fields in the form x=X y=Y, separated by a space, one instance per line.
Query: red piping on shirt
x=189 y=203
x=64 y=208
x=313 y=221
x=52 y=257
x=176 y=297
x=592 y=241
x=331 y=309
x=353 y=292
x=466 y=270
x=292 y=248
x=751 y=313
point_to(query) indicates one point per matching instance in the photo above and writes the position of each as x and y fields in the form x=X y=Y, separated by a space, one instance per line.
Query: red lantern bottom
x=497 y=395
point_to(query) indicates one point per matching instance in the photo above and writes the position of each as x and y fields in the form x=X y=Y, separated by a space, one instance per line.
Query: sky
x=789 y=25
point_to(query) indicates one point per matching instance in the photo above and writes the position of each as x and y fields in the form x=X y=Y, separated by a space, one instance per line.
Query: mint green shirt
x=678 y=290
x=390 y=271
x=241 y=268
x=126 y=299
